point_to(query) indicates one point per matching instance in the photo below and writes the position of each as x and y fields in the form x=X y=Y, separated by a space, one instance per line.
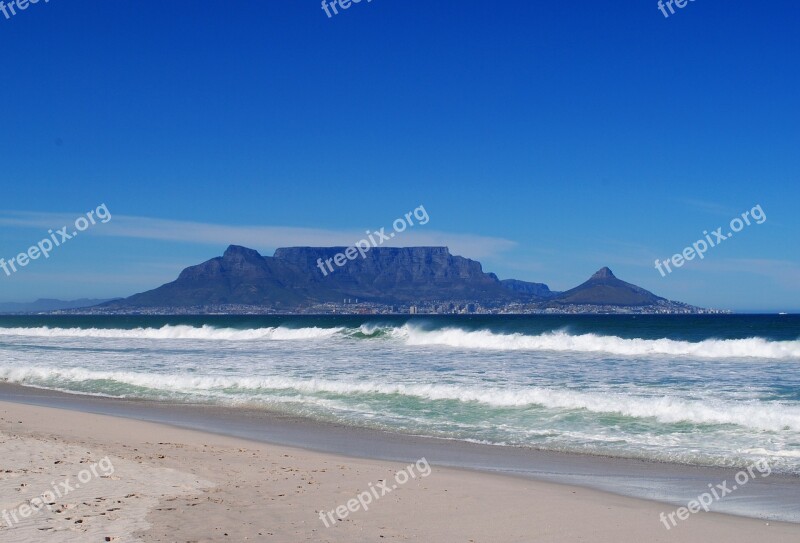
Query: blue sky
x=545 y=139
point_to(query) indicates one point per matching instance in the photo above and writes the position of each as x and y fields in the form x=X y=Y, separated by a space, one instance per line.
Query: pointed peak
x=603 y=273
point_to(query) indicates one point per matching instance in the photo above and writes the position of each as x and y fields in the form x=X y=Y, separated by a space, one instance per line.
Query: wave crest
x=457 y=338
x=755 y=347
x=759 y=415
x=204 y=332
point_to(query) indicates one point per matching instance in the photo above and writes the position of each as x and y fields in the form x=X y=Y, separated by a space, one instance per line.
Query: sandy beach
x=173 y=484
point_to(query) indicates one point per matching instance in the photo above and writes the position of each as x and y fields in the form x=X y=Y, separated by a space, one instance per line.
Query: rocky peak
x=239 y=253
x=603 y=273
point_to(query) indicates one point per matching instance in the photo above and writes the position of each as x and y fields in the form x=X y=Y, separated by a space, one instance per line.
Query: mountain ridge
x=295 y=279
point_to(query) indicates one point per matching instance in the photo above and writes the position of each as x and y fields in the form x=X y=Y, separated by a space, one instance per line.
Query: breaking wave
x=759 y=415
x=204 y=332
x=458 y=338
x=592 y=343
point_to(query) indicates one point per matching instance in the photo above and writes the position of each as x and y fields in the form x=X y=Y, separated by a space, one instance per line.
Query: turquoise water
x=707 y=390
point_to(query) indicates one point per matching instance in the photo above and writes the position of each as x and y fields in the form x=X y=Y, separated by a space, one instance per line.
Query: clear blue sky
x=546 y=139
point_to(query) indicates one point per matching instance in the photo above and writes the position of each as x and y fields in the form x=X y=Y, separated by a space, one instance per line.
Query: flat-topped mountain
x=293 y=277
x=299 y=278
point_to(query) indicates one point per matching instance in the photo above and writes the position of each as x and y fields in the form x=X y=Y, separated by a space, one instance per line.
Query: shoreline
x=178 y=484
x=776 y=498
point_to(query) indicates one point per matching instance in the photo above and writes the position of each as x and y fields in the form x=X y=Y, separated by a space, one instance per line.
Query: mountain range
x=295 y=279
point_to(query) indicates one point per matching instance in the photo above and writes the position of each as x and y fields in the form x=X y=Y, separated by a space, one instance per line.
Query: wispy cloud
x=258 y=236
x=783 y=272
x=714 y=208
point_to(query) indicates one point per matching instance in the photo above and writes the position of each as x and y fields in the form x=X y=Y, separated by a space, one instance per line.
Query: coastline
x=528 y=489
x=250 y=490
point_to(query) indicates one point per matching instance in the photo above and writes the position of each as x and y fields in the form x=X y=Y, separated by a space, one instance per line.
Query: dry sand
x=172 y=484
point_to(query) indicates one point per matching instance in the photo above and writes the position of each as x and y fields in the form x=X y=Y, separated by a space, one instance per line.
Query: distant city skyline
x=544 y=141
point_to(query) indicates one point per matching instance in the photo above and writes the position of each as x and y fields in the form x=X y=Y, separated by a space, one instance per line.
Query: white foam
x=592 y=343
x=411 y=335
x=765 y=452
x=759 y=415
x=204 y=332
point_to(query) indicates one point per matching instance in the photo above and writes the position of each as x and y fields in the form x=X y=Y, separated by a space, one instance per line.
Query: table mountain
x=293 y=278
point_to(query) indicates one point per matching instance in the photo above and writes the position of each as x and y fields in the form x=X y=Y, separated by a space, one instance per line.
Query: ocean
x=707 y=390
